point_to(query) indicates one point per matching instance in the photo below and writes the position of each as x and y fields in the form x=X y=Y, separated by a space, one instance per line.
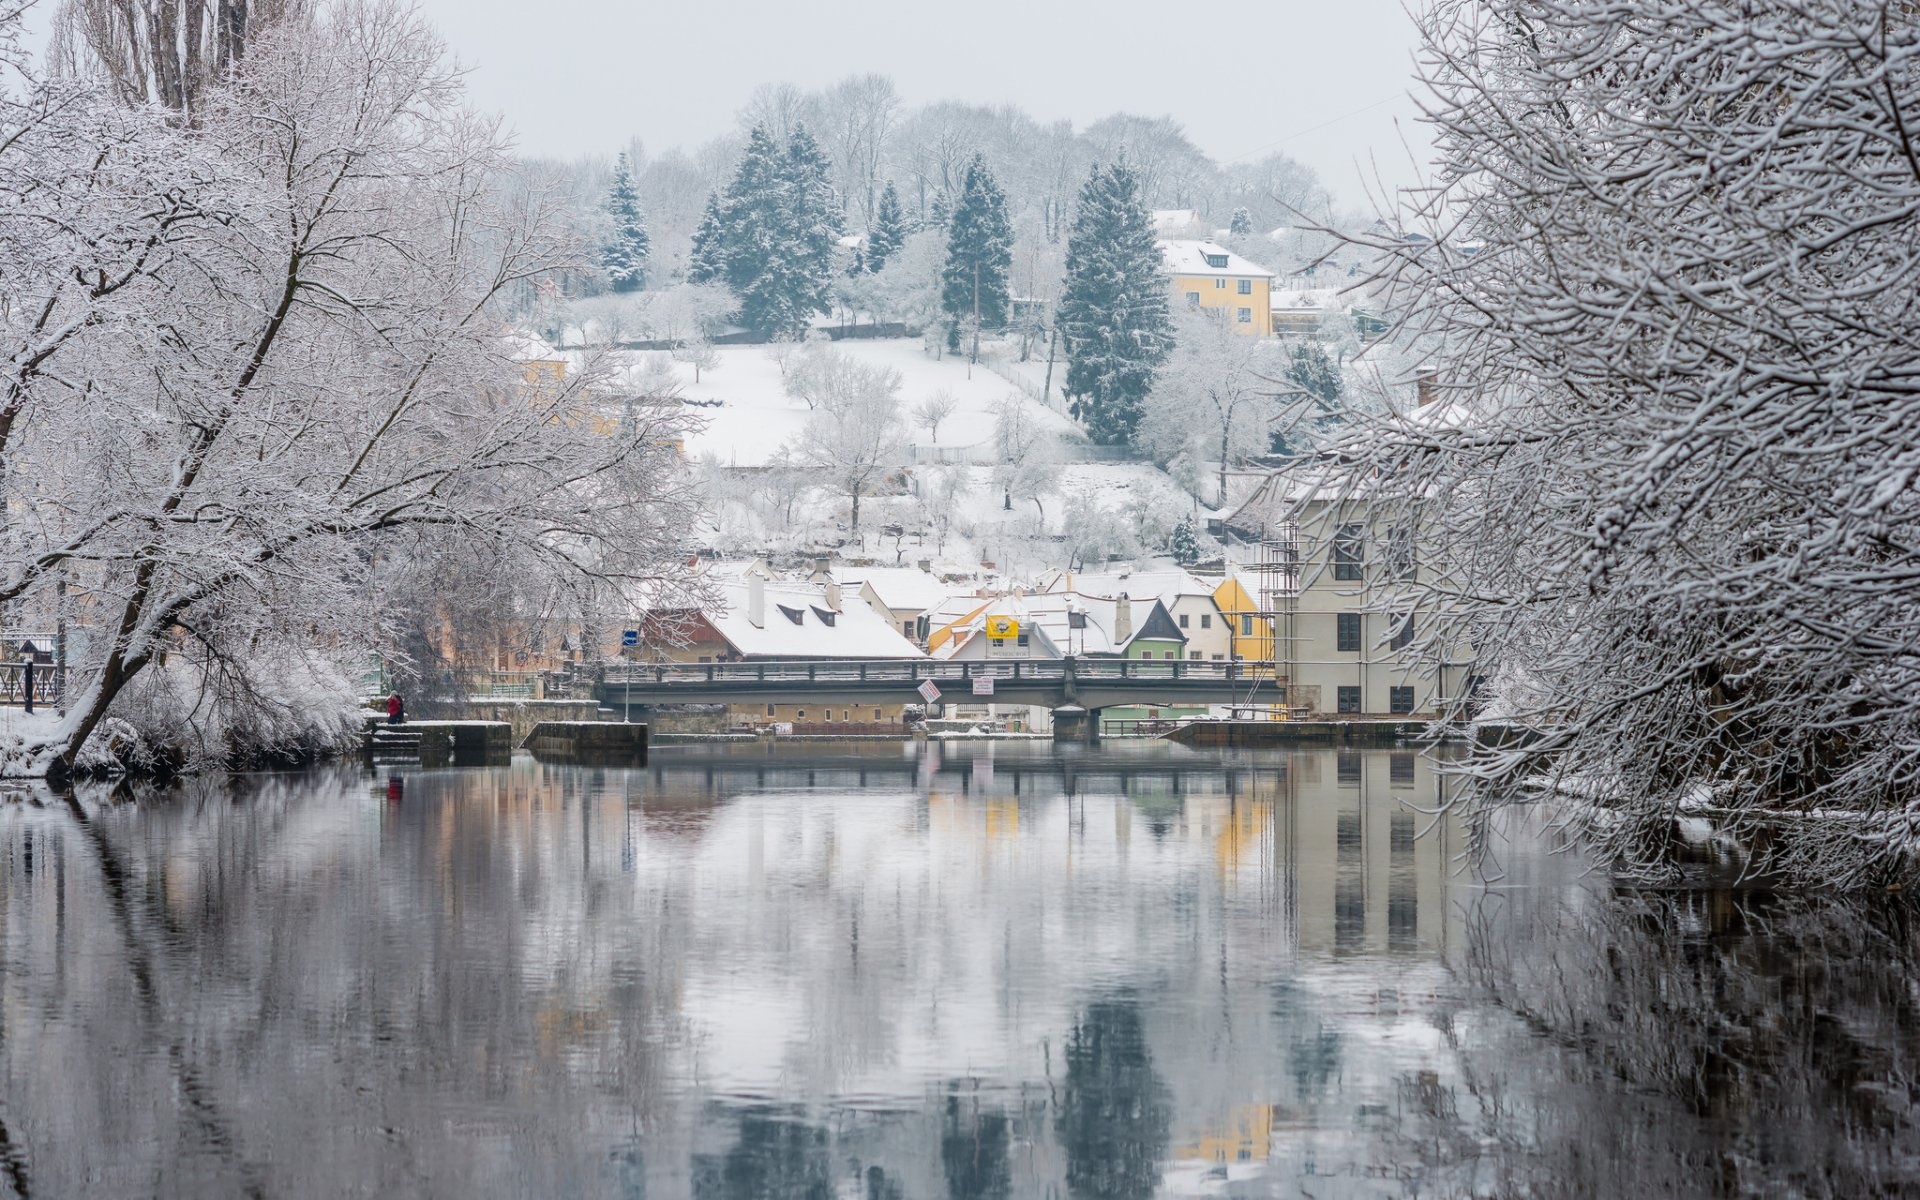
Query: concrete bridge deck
x=1090 y=683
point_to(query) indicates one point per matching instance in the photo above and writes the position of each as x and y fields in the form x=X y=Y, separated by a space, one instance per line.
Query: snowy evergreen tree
x=1113 y=311
x=625 y=255
x=1242 y=223
x=889 y=231
x=771 y=236
x=1309 y=369
x=708 y=261
x=979 y=255
x=1184 y=544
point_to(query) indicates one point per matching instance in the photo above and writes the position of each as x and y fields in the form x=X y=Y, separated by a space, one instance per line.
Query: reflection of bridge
x=1091 y=683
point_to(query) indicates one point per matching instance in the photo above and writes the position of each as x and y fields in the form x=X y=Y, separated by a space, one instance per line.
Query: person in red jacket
x=396 y=710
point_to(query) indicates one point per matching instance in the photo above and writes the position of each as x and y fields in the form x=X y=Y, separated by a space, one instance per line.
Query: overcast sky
x=1326 y=82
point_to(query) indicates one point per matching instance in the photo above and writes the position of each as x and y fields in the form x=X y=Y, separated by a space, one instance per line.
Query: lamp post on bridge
x=628 y=639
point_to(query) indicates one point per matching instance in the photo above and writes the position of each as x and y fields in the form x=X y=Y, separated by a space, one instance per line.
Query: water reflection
x=879 y=973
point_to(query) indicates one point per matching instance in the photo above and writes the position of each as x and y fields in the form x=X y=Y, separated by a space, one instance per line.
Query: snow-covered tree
x=255 y=371
x=887 y=233
x=932 y=412
x=772 y=235
x=624 y=257
x=1313 y=403
x=1184 y=544
x=1215 y=398
x=1664 y=485
x=1242 y=223
x=166 y=52
x=973 y=285
x=1113 y=312
x=854 y=436
x=1027 y=454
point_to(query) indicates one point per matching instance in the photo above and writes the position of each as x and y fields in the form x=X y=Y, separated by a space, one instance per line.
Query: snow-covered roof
x=903 y=589
x=1175 y=220
x=798 y=622
x=1051 y=613
x=1165 y=585
x=1197 y=258
x=524 y=346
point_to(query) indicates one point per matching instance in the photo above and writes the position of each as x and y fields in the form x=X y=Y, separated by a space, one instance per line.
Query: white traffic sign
x=928 y=692
x=983 y=687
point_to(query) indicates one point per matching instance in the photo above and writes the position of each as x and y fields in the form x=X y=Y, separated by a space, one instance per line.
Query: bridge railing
x=48 y=683
x=914 y=671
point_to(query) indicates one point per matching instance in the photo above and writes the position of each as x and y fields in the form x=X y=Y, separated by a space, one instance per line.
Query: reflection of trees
x=1115 y=1112
x=775 y=1158
x=973 y=1150
x=1686 y=1043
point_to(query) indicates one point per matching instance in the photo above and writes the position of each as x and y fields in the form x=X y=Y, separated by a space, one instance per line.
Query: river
x=881 y=972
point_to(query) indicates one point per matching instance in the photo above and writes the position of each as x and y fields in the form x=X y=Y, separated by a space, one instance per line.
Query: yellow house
x=1252 y=630
x=1210 y=276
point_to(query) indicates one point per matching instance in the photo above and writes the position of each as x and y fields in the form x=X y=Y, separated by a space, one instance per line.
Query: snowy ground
x=756 y=416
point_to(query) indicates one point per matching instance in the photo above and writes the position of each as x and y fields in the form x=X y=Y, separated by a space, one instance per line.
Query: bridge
x=1089 y=683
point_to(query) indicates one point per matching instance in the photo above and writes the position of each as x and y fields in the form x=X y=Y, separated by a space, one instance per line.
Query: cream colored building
x=1208 y=275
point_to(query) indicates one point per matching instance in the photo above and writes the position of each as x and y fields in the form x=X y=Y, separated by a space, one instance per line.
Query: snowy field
x=756 y=416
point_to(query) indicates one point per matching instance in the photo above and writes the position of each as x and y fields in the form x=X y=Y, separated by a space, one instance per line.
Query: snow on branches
x=254 y=367
x=1666 y=297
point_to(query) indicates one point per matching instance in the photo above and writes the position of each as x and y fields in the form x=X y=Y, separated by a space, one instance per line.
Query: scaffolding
x=1276 y=589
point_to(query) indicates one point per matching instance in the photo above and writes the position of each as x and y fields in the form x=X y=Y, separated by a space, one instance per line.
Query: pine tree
x=1309 y=369
x=1242 y=223
x=889 y=231
x=979 y=255
x=708 y=262
x=1113 y=310
x=1184 y=544
x=625 y=255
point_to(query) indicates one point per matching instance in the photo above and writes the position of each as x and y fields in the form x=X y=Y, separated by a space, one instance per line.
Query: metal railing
x=913 y=671
x=48 y=684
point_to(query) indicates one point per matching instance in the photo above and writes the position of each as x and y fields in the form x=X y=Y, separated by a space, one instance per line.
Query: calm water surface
x=866 y=972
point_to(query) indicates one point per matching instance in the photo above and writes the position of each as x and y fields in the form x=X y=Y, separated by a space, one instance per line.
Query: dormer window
x=792 y=614
x=1217 y=261
x=1076 y=620
x=826 y=616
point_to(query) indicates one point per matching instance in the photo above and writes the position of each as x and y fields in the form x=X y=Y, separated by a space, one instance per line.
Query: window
x=1403 y=633
x=1400 y=700
x=769 y=710
x=1244 y=316
x=1206 y=620
x=826 y=615
x=1183 y=620
x=706 y=658
x=1400 y=559
x=1217 y=261
x=1400 y=772
x=1219 y=657
x=1246 y=625
x=906 y=629
x=792 y=614
x=799 y=714
x=1193 y=299
x=876 y=714
x=1347 y=632
x=1346 y=773
x=1347 y=699
x=1219 y=284
x=1021 y=640
x=1146 y=655
x=1076 y=620
x=1246 y=287
x=1349 y=553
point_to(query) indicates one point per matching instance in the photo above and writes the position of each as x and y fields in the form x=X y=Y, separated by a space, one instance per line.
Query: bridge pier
x=1075 y=724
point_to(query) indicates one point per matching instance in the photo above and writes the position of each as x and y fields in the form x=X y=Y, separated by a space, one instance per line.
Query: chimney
x=925 y=564
x=1428 y=388
x=833 y=595
x=1122 y=621
x=756 y=602
x=822 y=566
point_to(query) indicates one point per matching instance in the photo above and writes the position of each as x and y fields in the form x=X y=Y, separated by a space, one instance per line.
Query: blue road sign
x=630 y=637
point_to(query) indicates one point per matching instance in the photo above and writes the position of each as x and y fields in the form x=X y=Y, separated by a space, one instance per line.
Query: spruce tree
x=889 y=231
x=1113 y=310
x=1242 y=223
x=771 y=236
x=708 y=262
x=1184 y=544
x=979 y=255
x=625 y=255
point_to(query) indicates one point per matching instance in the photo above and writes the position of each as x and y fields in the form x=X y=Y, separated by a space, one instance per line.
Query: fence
x=48 y=683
